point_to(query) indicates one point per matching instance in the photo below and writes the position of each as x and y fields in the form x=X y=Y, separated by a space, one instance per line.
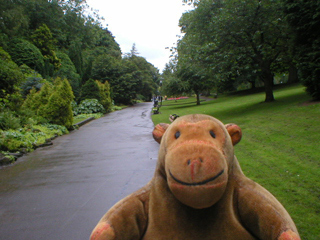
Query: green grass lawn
x=279 y=148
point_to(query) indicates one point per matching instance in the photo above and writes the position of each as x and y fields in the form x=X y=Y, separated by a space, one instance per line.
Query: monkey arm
x=127 y=219
x=262 y=214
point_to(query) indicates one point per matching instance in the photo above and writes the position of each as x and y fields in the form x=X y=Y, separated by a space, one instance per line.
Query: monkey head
x=195 y=156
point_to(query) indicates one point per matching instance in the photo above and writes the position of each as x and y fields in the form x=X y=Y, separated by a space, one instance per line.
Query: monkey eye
x=212 y=134
x=177 y=135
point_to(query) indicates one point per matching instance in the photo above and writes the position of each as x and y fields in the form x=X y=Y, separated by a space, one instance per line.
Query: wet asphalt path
x=60 y=192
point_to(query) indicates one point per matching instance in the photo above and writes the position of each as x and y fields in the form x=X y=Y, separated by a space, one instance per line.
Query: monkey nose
x=195 y=166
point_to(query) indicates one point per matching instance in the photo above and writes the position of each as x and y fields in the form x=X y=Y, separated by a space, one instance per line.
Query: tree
x=75 y=54
x=68 y=71
x=38 y=98
x=304 y=19
x=124 y=89
x=173 y=87
x=58 y=110
x=90 y=90
x=13 y=20
x=134 y=51
x=44 y=40
x=24 y=52
x=10 y=74
x=106 y=68
x=30 y=83
x=195 y=78
x=225 y=35
x=105 y=95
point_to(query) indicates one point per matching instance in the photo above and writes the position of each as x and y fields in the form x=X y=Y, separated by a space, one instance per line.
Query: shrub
x=104 y=89
x=32 y=82
x=29 y=138
x=8 y=120
x=24 y=52
x=10 y=73
x=58 y=110
x=89 y=106
x=68 y=70
x=35 y=100
x=90 y=90
x=43 y=39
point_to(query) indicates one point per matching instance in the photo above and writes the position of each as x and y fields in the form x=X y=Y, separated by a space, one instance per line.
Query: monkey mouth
x=197 y=183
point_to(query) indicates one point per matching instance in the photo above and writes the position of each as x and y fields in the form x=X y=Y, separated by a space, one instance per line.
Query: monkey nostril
x=189 y=162
x=201 y=160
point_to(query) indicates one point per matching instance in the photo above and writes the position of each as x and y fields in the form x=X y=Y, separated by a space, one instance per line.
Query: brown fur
x=198 y=192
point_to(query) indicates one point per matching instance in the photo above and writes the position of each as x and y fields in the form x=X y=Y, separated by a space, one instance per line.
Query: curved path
x=61 y=191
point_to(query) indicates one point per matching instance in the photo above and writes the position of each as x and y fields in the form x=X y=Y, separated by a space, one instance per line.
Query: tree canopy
x=66 y=39
x=227 y=43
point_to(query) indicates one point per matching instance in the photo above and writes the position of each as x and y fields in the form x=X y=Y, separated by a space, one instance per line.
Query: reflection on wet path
x=61 y=191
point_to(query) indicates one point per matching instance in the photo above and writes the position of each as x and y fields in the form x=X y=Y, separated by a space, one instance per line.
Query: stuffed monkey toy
x=198 y=192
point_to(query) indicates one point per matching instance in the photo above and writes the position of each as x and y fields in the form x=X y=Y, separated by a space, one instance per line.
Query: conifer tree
x=44 y=40
x=104 y=89
x=58 y=110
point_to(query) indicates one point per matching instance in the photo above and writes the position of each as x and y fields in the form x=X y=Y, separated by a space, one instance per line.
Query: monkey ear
x=234 y=132
x=159 y=130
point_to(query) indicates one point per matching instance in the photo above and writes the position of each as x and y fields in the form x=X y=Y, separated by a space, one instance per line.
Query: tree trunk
x=268 y=86
x=198 y=98
x=293 y=74
x=253 y=84
x=267 y=78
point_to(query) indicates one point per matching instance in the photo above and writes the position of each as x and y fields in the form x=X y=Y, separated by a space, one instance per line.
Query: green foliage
x=11 y=101
x=232 y=39
x=24 y=52
x=58 y=110
x=106 y=68
x=75 y=54
x=32 y=82
x=29 y=72
x=89 y=106
x=37 y=100
x=138 y=77
x=43 y=39
x=90 y=90
x=173 y=87
x=82 y=117
x=68 y=71
x=124 y=89
x=8 y=120
x=65 y=39
x=13 y=21
x=105 y=94
x=29 y=138
x=303 y=17
x=10 y=73
x=52 y=102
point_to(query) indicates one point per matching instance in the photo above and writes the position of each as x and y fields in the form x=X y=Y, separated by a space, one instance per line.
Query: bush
x=68 y=70
x=24 y=52
x=8 y=120
x=29 y=138
x=89 y=106
x=104 y=89
x=37 y=99
x=310 y=76
x=10 y=73
x=58 y=110
x=32 y=82
x=90 y=90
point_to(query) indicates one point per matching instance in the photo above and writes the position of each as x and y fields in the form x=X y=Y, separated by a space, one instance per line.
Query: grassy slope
x=279 y=148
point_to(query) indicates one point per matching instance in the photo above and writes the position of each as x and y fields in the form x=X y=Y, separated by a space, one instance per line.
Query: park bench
x=156 y=109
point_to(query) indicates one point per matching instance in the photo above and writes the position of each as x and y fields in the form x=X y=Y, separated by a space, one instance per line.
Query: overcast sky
x=151 y=24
